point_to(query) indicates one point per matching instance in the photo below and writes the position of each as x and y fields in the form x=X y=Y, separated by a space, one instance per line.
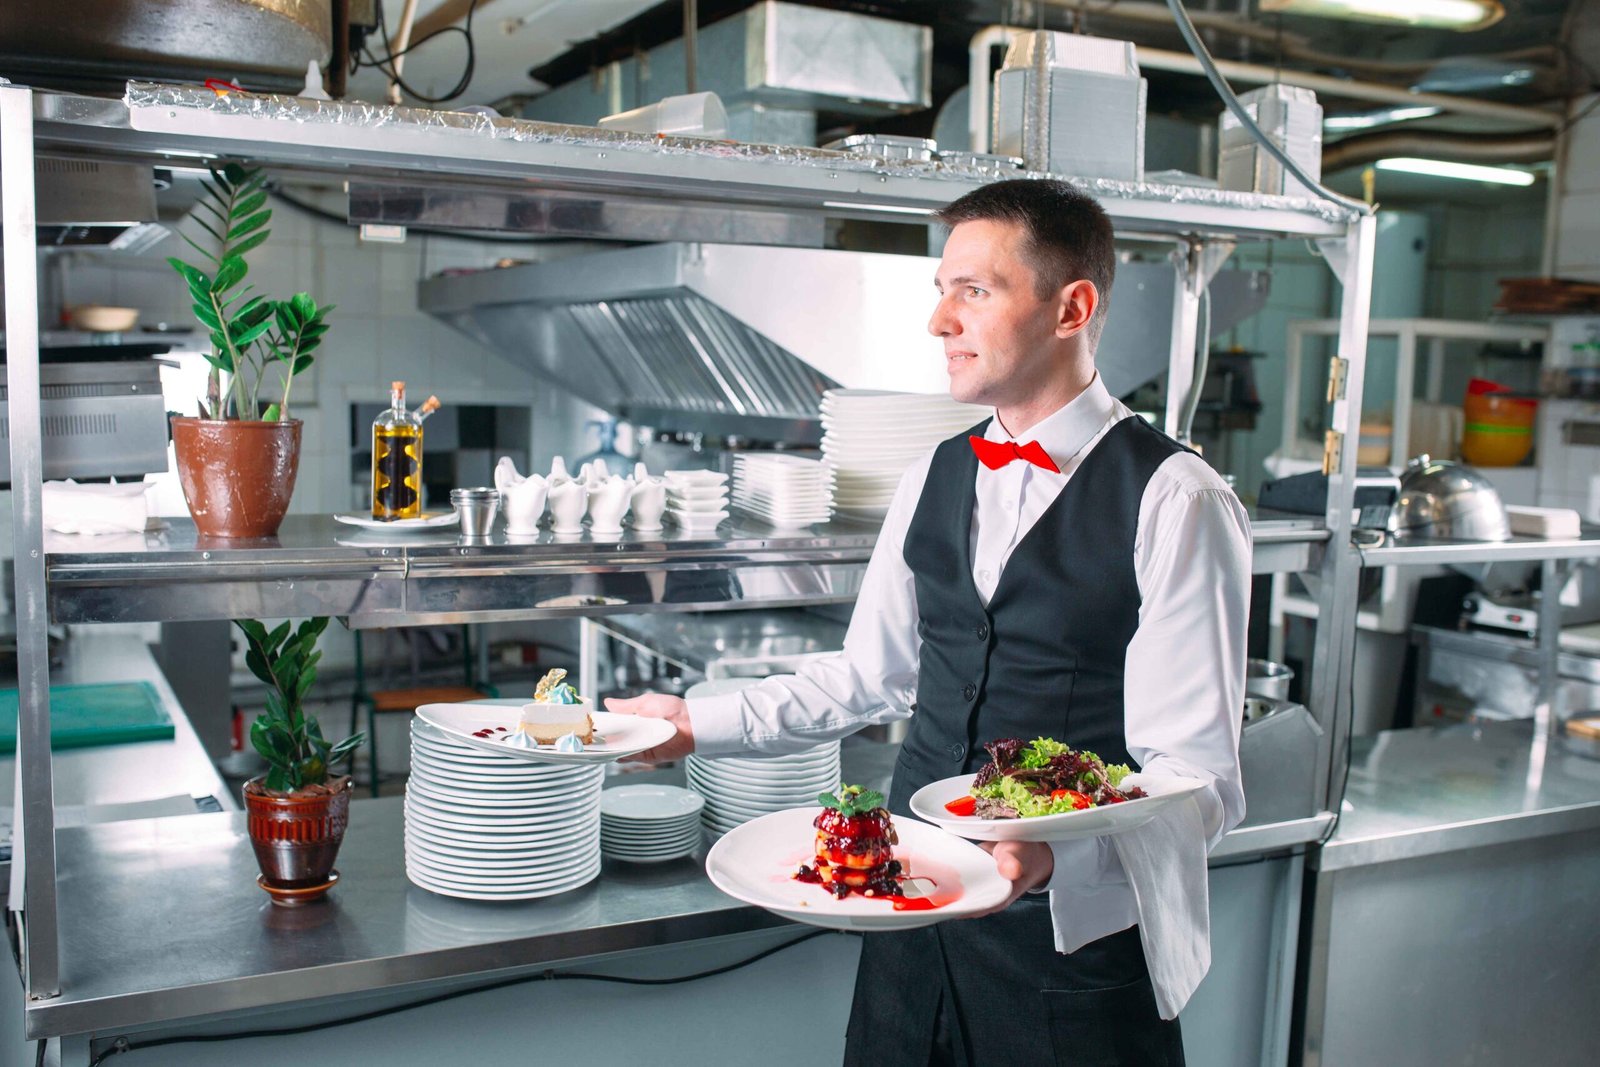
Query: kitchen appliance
x=1263 y=678
x=1489 y=675
x=99 y=419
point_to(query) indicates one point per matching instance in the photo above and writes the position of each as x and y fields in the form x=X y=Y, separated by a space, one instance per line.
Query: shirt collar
x=1064 y=432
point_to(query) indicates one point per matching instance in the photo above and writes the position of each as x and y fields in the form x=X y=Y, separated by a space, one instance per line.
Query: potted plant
x=237 y=462
x=298 y=810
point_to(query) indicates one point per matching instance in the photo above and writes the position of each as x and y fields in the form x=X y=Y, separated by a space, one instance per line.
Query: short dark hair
x=1069 y=235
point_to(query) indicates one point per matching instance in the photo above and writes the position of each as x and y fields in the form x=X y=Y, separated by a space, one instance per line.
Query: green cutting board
x=82 y=716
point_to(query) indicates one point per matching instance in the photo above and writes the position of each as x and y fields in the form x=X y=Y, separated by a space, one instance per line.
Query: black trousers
x=974 y=992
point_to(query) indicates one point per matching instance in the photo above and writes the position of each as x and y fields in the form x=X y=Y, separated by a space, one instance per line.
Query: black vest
x=1046 y=657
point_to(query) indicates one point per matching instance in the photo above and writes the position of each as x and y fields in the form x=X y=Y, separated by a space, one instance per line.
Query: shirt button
x=984 y=575
x=982 y=631
x=1011 y=505
x=969 y=690
x=958 y=752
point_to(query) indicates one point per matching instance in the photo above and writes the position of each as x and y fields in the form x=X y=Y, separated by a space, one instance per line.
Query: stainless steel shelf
x=1516 y=550
x=1286 y=544
x=416 y=145
x=318 y=567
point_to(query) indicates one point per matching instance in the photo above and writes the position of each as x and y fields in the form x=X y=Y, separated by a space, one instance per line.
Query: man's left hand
x=1025 y=864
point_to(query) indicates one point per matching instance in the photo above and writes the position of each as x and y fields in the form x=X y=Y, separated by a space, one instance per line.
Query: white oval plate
x=616 y=735
x=426 y=522
x=754 y=862
x=929 y=801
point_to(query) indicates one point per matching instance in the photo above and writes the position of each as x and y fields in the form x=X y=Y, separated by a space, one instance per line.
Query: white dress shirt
x=1184 y=674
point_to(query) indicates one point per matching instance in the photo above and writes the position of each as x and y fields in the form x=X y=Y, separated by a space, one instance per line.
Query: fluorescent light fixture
x=1439 y=168
x=1381 y=117
x=893 y=209
x=1439 y=14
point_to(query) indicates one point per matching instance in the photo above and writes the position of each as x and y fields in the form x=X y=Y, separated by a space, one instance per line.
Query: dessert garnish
x=1026 y=779
x=854 y=846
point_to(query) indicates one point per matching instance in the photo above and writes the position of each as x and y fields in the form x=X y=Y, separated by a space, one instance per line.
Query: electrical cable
x=1202 y=360
x=545 y=976
x=1220 y=84
x=385 y=64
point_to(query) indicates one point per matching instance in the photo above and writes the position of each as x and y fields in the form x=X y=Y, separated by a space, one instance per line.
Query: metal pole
x=1333 y=654
x=42 y=949
x=691 y=44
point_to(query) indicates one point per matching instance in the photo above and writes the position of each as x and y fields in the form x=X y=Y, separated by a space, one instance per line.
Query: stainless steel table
x=1451 y=915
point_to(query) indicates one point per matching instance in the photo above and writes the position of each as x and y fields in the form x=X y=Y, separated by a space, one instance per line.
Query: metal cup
x=477 y=508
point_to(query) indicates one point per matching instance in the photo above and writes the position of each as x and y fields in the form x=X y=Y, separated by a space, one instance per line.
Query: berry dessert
x=1026 y=779
x=855 y=846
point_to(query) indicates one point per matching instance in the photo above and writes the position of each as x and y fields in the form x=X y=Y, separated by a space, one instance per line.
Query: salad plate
x=755 y=863
x=616 y=736
x=929 y=803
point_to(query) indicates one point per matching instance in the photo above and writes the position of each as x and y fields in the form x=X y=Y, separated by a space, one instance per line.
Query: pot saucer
x=294 y=898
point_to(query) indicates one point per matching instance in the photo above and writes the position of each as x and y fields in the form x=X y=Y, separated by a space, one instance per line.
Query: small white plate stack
x=870 y=437
x=739 y=789
x=697 y=500
x=487 y=827
x=649 y=823
x=781 y=489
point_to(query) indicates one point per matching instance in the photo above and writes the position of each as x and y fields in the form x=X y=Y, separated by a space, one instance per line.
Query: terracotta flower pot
x=296 y=838
x=237 y=476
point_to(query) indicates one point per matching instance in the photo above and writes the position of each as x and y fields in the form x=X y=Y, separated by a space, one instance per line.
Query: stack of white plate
x=649 y=823
x=781 y=489
x=489 y=827
x=697 y=500
x=870 y=437
x=738 y=789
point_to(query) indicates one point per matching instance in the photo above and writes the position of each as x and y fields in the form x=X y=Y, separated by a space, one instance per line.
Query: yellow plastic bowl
x=1485 y=445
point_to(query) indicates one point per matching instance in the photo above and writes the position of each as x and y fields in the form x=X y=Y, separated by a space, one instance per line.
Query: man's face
x=997 y=331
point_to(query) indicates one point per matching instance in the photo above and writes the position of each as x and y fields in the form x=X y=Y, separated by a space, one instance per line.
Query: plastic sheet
x=359 y=115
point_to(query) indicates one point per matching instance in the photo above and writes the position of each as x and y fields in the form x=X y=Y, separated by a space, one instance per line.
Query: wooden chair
x=408 y=700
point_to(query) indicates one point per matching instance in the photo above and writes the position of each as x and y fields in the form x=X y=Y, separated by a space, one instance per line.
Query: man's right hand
x=659 y=706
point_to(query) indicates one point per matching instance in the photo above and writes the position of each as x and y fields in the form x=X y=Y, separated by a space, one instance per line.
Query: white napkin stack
x=97 y=509
x=1165 y=863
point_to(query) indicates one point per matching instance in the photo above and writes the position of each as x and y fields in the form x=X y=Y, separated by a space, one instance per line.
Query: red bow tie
x=996 y=454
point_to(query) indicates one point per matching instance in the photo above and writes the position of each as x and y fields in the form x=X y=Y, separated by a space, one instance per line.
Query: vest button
x=958 y=752
x=969 y=691
x=982 y=631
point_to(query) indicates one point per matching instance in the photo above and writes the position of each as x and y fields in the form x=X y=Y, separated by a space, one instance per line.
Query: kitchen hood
x=86 y=203
x=733 y=339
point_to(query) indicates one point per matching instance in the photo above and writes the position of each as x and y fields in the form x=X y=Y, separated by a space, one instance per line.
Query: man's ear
x=1079 y=301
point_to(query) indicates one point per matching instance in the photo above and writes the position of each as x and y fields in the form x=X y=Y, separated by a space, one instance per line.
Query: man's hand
x=659 y=706
x=1025 y=864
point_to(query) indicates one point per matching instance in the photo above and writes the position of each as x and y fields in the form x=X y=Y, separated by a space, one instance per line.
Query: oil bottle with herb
x=397 y=460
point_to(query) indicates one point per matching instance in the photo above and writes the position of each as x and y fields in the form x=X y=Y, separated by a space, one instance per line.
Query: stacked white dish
x=739 y=789
x=487 y=827
x=649 y=823
x=782 y=489
x=870 y=437
x=697 y=500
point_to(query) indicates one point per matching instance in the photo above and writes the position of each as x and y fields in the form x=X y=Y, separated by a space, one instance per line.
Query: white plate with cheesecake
x=486 y=727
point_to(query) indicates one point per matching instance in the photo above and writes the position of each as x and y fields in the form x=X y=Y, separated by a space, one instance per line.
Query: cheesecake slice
x=556 y=710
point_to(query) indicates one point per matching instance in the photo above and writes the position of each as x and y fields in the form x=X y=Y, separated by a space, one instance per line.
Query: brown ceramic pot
x=237 y=476
x=296 y=837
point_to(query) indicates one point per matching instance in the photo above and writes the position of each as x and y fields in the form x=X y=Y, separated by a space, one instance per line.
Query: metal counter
x=162 y=920
x=1426 y=791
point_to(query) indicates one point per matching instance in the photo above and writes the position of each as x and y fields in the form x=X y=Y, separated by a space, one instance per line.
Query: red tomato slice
x=962 y=805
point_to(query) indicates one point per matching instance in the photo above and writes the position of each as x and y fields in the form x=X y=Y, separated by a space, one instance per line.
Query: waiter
x=1061 y=570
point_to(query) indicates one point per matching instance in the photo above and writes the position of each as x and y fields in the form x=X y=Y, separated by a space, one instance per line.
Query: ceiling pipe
x=1368 y=148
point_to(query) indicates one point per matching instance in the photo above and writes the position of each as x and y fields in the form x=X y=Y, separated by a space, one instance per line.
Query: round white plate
x=929 y=801
x=498 y=865
x=616 y=736
x=649 y=803
x=495 y=820
x=651 y=840
x=422 y=882
x=800 y=789
x=693 y=478
x=496 y=804
x=471 y=782
x=754 y=862
x=439 y=882
x=817 y=754
x=426 y=522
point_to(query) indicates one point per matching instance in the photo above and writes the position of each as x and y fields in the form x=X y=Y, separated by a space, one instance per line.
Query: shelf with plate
x=1420 y=550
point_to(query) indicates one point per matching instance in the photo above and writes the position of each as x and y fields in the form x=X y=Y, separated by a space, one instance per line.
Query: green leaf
x=249 y=203
x=312 y=769
x=345 y=748
x=303 y=363
x=272 y=414
x=223 y=360
x=828 y=800
x=248 y=334
x=249 y=225
x=209 y=255
x=234 y=175
x=207 y=315
x=304 y=306
x=229 y=274
x=277 y=781
x=250 y=242
x=216 y=193
x=193 y=275
x=283 y=314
